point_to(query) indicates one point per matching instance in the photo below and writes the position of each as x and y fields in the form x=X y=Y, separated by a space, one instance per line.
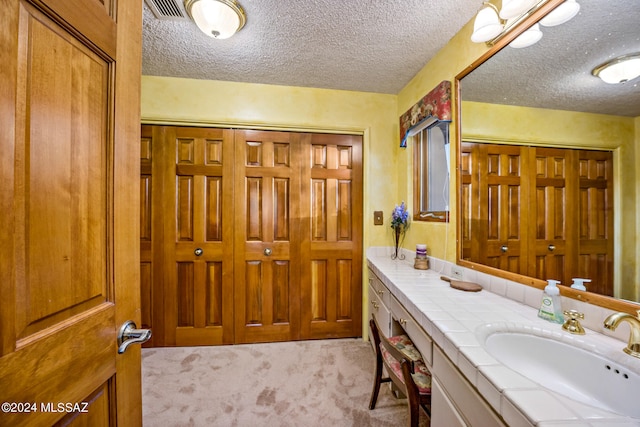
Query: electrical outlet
x=456 y=271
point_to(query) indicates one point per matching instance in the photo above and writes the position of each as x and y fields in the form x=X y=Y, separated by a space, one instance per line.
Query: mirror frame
x=499 y=43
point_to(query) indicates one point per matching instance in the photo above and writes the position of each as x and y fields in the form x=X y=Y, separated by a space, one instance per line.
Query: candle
x=421 y=250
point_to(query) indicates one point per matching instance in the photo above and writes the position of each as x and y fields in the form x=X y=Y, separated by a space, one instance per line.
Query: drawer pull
x=380 y=292
x=402 y=321
x=375 y=304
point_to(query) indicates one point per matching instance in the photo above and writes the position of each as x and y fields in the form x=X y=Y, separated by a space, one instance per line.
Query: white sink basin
x=573 y=372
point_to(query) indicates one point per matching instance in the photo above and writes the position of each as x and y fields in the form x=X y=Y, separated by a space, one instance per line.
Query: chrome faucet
x=612 y=322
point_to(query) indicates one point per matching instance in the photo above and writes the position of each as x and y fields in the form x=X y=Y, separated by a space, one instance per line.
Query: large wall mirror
x=545 y=98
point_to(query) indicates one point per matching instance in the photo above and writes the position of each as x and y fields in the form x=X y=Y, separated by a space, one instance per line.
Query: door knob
x=128 y=335
x=504 y=248
x=267 y=251
x=552 y=248
x=198 y=251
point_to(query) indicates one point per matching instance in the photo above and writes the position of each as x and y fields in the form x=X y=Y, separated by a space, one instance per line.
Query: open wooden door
x=69 y=218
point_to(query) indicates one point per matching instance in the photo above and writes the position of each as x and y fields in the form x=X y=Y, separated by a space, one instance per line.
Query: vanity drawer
x=379 y=288
x=380 y=311
x=420 y=339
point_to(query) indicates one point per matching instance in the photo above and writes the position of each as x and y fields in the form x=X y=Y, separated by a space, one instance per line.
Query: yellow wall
x=449 y=62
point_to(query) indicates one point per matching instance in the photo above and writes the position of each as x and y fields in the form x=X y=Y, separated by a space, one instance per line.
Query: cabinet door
x=443 y=412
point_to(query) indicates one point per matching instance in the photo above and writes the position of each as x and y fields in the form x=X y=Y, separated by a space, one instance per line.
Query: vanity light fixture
x=487 y=24
x=527 y=38
x=561 y=14
x=620 y=69
x=219 y=19
x=491 y=24
x=513 y=8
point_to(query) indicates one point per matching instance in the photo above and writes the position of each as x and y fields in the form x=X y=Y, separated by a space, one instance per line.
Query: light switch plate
x=377 y=218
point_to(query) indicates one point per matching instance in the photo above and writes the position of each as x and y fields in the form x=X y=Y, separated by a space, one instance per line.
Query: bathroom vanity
x=471 y=387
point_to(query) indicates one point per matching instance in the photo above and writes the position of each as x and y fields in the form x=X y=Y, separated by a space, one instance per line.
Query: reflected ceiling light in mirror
x=528 y=38
x=619 y=70
x=219 y=19
x=561 y=14
x=487 y=24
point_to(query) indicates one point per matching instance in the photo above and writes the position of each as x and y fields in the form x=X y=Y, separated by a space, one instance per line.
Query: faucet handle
x=572 y=324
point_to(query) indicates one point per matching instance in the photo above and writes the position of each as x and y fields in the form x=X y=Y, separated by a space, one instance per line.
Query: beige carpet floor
x=304 y=383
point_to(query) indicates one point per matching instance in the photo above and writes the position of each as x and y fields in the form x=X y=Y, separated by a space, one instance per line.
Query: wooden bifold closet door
x=540 y=212
x=250 y=235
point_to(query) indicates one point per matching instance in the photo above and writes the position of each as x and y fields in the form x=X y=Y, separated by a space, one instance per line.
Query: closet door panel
x=502 y=190
x=198 y=230
x=331 y=287
x=551 y=230
x=267 y=237
x=596 y=220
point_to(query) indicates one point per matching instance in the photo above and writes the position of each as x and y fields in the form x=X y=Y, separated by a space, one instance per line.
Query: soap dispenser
x=579 y=284
x=550 y=308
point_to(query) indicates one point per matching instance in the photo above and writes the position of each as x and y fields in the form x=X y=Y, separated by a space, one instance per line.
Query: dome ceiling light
x=620 y=69
x=219 y=19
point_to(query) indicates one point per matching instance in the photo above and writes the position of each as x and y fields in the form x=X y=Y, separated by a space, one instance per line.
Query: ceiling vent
x=167 y=9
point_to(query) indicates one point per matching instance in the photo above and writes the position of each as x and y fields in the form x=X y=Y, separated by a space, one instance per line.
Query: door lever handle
x=128 y=335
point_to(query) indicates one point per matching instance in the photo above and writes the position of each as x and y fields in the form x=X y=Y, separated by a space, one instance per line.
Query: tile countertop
x=456 y=320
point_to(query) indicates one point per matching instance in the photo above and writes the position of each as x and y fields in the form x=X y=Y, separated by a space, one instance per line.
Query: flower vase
x=397 y=235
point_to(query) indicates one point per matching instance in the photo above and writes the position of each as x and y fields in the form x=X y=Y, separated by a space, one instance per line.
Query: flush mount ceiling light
x=619 y=70
x=219 y=19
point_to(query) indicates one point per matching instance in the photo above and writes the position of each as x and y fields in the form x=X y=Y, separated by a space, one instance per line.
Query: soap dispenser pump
x=550 y=308
x=579 y=284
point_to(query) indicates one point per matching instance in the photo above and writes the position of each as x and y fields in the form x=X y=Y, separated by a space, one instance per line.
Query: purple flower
x=400 y=216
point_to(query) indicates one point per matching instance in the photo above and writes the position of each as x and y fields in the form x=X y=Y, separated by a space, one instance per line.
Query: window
x=431 y=173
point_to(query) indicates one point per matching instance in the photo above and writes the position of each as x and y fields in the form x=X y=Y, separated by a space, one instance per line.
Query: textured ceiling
x=361 y=45
x=379 y=45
